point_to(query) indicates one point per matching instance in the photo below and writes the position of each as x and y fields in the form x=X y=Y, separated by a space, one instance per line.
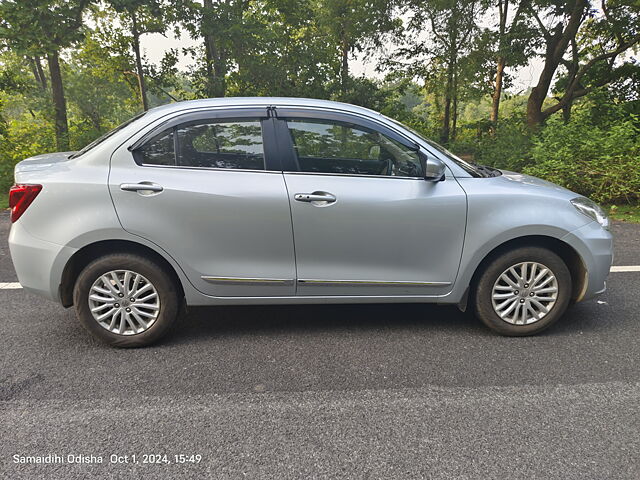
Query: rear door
x=207 y=188
x=365 y=221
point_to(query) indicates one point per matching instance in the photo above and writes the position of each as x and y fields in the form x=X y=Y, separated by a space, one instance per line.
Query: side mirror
x=434 y=168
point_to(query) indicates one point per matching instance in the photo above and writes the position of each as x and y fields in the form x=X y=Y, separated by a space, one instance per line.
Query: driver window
x=326 y=146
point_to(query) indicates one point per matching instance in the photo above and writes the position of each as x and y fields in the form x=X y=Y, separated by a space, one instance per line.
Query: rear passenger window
x=158 y=151
x=225 y=144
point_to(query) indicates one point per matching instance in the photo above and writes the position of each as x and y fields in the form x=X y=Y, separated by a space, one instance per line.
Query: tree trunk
x=538 y=93
x=208 y=60
x=556 y=45
x=534 y=106
x=136 y=48
x=566 y=112
x=344 y=65
x=59 y=103
x=454 y=117
x=446 y=121
x=43 y=78
x=34 y=71
x=216 y=65
x=454 y=108
x=38 y=73
x=216 y=83
x=497 y=90
x=503 y=9
x=208 y=49
x=220 y=71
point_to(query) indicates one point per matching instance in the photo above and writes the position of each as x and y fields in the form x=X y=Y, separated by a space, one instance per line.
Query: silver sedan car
x=281 y=200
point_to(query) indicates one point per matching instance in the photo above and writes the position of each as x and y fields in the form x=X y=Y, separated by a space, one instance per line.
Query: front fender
x=473 y=257
x=501 y=210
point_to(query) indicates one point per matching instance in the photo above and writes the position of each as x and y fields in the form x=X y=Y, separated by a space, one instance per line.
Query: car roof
x=260 y=101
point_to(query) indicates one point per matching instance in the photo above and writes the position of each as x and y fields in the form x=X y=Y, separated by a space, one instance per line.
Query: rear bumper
x=38 y=263
x=595 y=246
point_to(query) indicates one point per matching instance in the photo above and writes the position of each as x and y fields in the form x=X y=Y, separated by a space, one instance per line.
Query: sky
x=155 y=45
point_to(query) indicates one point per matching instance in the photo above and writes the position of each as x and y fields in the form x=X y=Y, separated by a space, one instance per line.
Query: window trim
x=271 y=158
x=287 y=150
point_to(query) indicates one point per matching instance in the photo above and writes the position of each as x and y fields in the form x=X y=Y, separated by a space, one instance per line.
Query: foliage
x=599 y=161
x=508 y=149
x=22 y=138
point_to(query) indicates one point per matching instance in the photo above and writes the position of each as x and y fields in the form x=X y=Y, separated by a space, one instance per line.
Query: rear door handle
x=320 y=197
x=141 y=187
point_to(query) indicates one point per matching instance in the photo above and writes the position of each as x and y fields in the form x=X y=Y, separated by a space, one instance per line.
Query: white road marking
x=614 y=269
x=625 y=268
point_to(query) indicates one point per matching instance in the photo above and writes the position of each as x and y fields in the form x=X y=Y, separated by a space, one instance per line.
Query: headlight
x=592 y=210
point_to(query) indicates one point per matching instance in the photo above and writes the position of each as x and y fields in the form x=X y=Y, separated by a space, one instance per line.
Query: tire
x=528 y=315
x=148 y=318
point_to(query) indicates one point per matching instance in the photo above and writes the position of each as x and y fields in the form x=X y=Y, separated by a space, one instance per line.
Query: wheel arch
x=80 y=259
x=573 y=260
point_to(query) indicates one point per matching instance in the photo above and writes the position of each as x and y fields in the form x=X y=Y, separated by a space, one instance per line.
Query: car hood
x=530 y=180
x=42 y=162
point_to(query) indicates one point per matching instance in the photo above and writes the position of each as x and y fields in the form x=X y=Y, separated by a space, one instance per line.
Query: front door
x=203 y=188
x=365 y=221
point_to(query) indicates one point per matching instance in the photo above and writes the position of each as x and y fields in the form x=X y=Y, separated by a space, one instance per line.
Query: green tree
x=511 y=41
x=439 y=57
x=594 y=41
x=355 y=26
x=281 y=51
x=219 y=25
x=140 y=17
x=43 y=28
x=98 y=96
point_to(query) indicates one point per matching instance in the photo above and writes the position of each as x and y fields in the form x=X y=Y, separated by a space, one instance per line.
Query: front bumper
x=595 y=246
x=38 y=263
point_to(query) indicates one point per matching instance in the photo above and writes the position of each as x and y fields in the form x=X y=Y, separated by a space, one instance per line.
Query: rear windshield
x=101 y=139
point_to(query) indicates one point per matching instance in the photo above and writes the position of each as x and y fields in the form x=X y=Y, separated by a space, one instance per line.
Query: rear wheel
x=126 y=300
x=523 y=291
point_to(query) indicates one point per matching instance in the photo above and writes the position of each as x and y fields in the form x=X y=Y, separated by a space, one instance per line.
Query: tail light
x=20 y=197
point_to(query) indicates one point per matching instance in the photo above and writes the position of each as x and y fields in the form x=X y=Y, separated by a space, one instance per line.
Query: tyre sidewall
x=483 y=301
x=161 y=280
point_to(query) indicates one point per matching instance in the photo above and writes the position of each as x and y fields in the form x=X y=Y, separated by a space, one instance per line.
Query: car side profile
x=293 y=201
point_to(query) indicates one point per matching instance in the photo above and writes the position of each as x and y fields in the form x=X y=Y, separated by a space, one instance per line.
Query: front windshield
x=101 y=139
x=466 y=166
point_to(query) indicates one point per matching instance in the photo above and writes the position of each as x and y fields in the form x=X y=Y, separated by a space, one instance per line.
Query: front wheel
x=523 y=291
x=126 y=300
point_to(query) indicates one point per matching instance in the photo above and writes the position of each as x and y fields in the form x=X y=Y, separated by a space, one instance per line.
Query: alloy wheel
x=124 y=302
x=524 y=293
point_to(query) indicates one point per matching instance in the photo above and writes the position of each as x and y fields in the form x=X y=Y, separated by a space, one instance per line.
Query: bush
x=20 y=139
x=508 y=149
x=599 y=161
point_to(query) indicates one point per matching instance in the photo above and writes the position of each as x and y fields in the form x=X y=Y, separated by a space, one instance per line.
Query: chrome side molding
x=319 y=283
x=247 y=281
x=371 y=283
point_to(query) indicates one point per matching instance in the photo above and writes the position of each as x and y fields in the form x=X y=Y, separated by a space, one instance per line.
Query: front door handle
x=142 y=187
x=316 y=198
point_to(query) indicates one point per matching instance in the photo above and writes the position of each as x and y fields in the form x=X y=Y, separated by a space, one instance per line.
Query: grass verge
x=625 y=213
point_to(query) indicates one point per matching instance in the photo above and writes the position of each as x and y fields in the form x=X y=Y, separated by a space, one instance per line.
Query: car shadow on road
x=279 y=319
x=275 y=320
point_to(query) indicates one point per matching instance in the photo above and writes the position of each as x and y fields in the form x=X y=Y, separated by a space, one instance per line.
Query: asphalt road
x=374 y=391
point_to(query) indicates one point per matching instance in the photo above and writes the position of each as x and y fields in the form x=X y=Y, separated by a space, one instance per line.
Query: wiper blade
x=488 y=171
